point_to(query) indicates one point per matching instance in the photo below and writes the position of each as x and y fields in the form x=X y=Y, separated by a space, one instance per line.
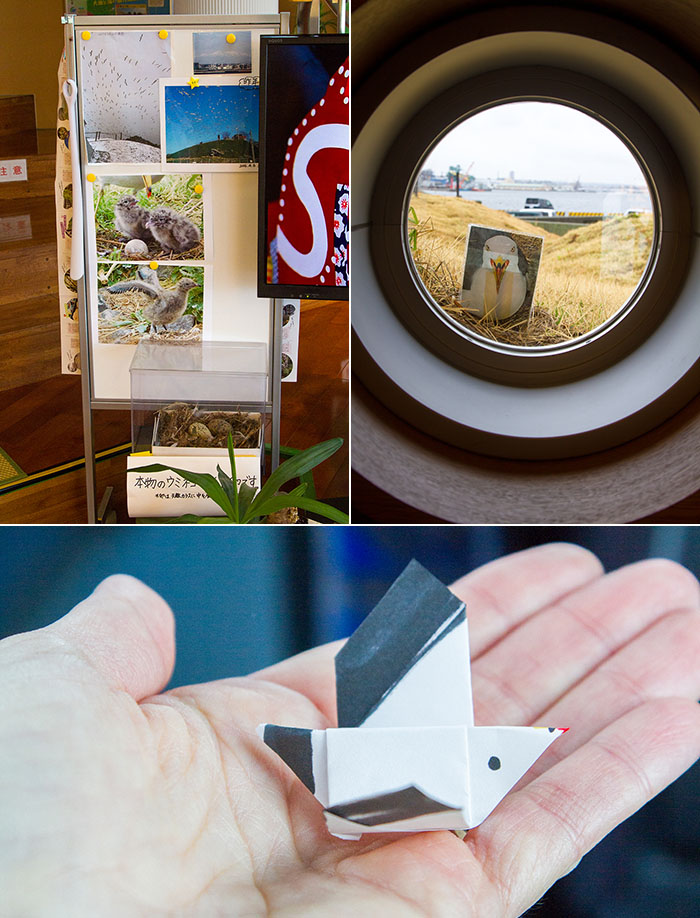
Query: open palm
x=119 y=801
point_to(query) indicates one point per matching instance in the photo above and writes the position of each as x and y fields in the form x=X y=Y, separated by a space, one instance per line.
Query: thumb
x=126 y=631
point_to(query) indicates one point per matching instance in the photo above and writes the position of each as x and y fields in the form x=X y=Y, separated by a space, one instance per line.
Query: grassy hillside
x=232 y=151
x=585 y=276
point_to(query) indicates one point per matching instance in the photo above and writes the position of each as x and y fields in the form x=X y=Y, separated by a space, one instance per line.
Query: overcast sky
x=536 y=140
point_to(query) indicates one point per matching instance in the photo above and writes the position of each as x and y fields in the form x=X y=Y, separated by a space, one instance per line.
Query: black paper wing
x=417 y=617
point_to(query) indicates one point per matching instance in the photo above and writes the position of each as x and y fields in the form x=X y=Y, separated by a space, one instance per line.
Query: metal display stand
x=100 y=511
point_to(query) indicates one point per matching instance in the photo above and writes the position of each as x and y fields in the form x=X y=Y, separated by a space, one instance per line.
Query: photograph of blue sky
x=212 y=53
x=208 y=114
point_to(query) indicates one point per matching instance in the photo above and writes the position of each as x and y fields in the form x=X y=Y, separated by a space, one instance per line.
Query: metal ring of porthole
x=505 y=363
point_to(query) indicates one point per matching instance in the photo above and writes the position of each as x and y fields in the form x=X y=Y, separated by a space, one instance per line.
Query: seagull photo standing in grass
x=168 y=304
x=498 y=287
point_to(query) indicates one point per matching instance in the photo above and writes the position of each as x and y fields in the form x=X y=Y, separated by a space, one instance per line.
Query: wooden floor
x=41 y=427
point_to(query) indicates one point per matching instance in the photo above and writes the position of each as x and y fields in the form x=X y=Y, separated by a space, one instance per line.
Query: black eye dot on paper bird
x=494 y=763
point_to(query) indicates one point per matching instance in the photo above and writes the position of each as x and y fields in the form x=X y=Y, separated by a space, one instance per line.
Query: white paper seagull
x=406 y=756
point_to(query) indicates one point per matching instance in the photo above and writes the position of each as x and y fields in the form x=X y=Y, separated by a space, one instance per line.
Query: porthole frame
x=551 y=364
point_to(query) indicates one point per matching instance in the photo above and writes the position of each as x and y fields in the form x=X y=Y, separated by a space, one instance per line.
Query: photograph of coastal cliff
x=222 y=52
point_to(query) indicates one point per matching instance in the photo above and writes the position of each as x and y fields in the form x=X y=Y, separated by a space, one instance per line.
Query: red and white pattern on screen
x=309 y=222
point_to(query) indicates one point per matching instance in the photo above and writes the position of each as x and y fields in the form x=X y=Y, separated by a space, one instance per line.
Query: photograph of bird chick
x=154 y=218
x=172 y=231
x=500 y=273
x=138 y=301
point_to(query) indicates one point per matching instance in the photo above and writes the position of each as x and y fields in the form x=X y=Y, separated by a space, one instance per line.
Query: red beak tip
x=563 y=729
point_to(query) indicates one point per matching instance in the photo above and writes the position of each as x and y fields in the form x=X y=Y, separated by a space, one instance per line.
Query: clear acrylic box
x=186 y=397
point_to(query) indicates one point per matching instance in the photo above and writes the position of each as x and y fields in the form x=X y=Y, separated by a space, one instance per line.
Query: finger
x=126 y=632
x=311 y=673
x=538 y=834
x=502 y=594
x=661 y=663
x=525 y=673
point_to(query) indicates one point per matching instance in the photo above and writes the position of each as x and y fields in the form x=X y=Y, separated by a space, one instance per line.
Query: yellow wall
x=31 y=40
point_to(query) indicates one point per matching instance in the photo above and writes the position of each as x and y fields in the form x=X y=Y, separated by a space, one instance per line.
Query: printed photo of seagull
x=500 y=273
x=136 y=301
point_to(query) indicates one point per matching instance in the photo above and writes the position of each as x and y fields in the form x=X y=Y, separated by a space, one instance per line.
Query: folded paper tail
x=390 y=807
x=406 y=810
x=293 y=745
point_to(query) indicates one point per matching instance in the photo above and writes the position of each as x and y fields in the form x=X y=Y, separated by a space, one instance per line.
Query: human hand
x=119 y=801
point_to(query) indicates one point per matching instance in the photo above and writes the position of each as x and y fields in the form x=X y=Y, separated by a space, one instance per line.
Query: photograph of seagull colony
x=120 y=73
x=403 y=685
x=575 y=187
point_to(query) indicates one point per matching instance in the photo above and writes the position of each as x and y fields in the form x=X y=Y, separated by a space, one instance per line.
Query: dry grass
x=585 y=276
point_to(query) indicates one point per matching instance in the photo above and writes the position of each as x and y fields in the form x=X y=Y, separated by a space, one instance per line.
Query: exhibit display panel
x=165 y=185
x=169 y=153
x=186 y=400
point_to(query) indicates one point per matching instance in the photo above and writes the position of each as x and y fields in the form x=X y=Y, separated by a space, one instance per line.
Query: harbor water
x=607 y=202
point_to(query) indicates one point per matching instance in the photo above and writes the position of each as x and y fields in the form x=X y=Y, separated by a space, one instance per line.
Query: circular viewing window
x=579 y=245
x=531 y=224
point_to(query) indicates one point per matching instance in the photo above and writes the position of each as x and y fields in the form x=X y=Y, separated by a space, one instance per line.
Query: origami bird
x=168 y=303
x=406 y=755
x=498 y=287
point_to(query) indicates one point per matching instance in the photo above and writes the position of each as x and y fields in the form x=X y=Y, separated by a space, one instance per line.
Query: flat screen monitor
x=304 y=167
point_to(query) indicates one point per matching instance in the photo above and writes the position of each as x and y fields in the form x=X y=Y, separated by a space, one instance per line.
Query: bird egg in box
x=500 y=273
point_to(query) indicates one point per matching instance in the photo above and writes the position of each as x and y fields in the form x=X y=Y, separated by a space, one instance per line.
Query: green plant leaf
x=211 y=487
x=317 y=506
x=185 y=518
x=293 y=468
x=277 y=502
x=246 y=493
x=231 y=491
x=234 y=476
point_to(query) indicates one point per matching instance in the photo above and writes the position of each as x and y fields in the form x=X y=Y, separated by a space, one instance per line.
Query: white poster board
x=232 y=310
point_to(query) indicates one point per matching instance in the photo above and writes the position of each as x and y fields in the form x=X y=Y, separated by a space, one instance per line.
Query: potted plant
x=242 y=503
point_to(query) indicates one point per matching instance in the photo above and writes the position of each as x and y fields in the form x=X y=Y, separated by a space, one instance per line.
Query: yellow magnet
x=91 y=176
x=153 y=266
x=86 y=35
x=230 y=38
x=198 y=189
x=193 y=81
x=163 y=33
